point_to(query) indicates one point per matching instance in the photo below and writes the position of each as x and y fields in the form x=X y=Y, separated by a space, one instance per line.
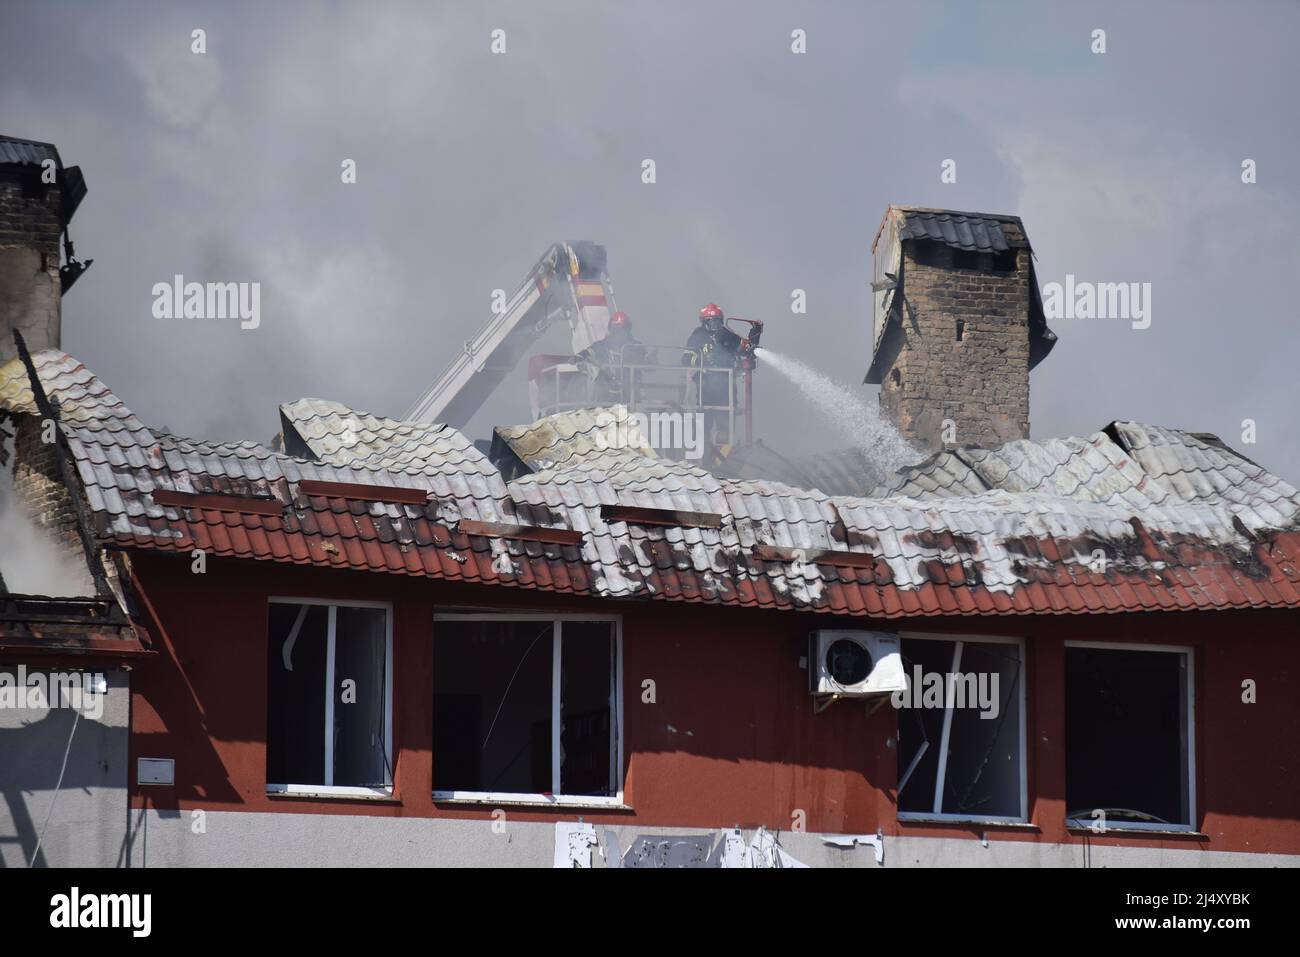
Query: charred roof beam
x=67 y=473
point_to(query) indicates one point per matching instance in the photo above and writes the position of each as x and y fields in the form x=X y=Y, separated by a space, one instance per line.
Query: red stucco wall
x=747 y=748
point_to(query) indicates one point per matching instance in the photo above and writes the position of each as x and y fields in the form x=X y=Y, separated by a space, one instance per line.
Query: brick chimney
x=38 y=197
x=958 y=325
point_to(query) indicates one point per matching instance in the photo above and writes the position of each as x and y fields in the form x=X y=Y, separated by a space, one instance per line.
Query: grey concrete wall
x=29 y=300
x=88 y=821
x=946 y=852
x=227 y=839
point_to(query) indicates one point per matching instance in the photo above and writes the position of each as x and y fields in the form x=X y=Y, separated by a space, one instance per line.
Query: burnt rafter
x=67 y=473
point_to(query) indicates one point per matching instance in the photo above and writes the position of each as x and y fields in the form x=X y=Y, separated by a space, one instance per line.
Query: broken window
x=525 y=706
x=328 y=696
x=961 y=727
x=1128 y=734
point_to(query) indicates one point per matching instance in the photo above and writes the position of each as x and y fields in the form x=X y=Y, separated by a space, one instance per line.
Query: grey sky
x=773 y=172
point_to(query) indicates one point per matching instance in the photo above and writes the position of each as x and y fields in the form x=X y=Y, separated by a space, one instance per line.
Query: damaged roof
x=569 y=438
x=67 y=626
x=331 y=432
x=848 y=471
x=1130 y=518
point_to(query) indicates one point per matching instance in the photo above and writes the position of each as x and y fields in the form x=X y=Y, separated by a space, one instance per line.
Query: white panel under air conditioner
x=855 y=664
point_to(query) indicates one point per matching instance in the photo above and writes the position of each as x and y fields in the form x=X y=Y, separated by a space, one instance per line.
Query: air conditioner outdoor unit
x=855 y=664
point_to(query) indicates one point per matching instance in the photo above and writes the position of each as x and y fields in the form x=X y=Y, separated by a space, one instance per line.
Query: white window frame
x=958 y=642
x=1190 y=654
x=554 y=799
x=329 y=789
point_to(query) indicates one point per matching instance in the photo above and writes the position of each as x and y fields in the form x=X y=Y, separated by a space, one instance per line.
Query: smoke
x=856 y=420
x=31 y=563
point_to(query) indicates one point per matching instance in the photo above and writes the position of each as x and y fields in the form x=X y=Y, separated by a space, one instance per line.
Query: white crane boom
x=569 y=281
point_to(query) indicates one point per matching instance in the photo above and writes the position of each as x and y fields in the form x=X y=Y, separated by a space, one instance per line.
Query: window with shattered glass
x=961 y=731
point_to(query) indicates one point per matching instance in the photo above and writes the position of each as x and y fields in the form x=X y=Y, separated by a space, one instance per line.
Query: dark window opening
x=360 y=703
x=492 y=706
x=295 y=739
x=327 y=696
x=981 y=769
x=587 y=668
x=1127 y=736
x=961 y=329
x=497 y=723
x=1004 y=261
x=896 y=378
x=968 y=259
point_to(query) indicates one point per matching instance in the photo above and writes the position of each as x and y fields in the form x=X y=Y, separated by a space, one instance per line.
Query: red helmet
x=620 y=321
x=711 y=311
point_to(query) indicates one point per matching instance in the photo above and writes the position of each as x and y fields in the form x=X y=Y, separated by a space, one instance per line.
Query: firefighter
x=712 y=346
x=619 y=348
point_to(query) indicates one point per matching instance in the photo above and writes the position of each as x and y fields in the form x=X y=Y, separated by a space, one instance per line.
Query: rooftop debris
x=1131 y=518
x=37 y=623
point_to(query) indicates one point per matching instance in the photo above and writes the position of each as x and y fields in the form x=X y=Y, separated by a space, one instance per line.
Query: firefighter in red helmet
x=712 y=348
x=711 y=343
x=625 y=348
x=619 y=324
x=611 y=355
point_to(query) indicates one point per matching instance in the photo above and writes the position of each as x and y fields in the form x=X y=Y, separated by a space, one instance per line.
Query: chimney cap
x=982 y=232
x=17 y=151
x=966 y=231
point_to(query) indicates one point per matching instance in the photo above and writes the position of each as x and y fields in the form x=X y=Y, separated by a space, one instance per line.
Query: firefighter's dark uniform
x=712 y=346
x=609 y=355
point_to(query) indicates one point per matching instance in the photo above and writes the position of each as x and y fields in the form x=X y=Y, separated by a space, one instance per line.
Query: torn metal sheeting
x=669 y=851
x=573 y=844
x=849 y=841
x=332 y=434
x=722 y=849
